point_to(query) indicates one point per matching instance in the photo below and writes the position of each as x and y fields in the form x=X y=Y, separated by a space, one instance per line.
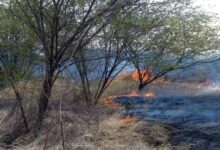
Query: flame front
x=109 y=101
x=150 y=94
x=128 y=119
x=136 y=93
x=145 y=74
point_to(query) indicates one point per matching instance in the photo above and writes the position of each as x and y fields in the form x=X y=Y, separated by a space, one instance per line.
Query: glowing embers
x=109 y=101
x=128 y=119
x=137 y=93
x=149 y=94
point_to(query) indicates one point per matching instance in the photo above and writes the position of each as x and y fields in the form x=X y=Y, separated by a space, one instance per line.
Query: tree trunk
x=141 y=86
x=19 y=99
x=44 y=97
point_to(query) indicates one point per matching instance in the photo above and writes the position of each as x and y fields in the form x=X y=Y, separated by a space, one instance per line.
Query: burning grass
x=142 y=93
x=109 y=101
x=114 y=132
x=144 y=74
x=128 y=119
x=149 y=94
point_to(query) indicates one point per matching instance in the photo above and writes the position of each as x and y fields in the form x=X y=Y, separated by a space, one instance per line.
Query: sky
x=210 y=5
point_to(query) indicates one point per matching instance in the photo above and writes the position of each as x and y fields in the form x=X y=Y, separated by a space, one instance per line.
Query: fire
x=109 y=101
x=144 y=74
x=136 y=93
x=128 y=119
x=149 y=94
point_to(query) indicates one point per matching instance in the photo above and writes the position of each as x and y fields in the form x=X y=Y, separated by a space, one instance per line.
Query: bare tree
x=99 y=64
x=64 y=27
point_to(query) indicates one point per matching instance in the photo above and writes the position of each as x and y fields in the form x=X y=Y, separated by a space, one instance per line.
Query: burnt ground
x=193 y=120
x=191 y=115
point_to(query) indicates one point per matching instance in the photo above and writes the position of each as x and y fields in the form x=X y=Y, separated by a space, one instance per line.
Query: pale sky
x=210 y=5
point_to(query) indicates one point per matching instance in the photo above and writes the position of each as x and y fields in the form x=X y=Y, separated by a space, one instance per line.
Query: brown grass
x=82 y=131
x=97 y=129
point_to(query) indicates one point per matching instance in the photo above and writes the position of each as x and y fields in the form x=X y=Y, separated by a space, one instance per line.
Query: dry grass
x=98 y=129
x=115 y=135
x=121 y=87
x=154 y=133
x=83 y=133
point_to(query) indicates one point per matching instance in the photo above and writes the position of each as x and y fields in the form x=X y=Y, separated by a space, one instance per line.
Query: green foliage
x=173 y=36
x=161 y=147
x=80 y=3
x=16 y=48
x=160 y=34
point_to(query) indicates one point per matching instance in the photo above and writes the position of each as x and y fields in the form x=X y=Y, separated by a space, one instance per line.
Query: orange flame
x=128 y=119
x=149 y=94
x=144 y=74
x=135 y=93
x=109 y=101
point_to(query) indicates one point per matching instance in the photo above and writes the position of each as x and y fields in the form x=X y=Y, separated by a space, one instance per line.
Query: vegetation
x=177 y=36
x=88 y=43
